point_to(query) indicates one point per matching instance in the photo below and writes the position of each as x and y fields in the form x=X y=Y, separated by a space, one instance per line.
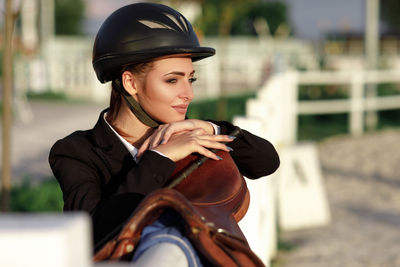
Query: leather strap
x=134 y=106
x=138 y=111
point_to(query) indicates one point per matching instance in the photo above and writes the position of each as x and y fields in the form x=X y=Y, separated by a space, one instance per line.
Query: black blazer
x=97 y=174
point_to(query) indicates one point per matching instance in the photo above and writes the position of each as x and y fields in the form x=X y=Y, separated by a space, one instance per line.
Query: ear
x=130 y=82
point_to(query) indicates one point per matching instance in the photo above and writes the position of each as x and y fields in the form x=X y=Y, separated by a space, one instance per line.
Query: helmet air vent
x=155 y=25
x=177 y=23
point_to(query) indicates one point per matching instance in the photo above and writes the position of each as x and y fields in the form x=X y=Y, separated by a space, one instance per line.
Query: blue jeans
x=167 y=229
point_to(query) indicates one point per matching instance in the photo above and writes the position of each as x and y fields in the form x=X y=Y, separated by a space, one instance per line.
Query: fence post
x=259 y=224
x=356 y=104
x=291 y=102
x=372 y=56
x=213 y=77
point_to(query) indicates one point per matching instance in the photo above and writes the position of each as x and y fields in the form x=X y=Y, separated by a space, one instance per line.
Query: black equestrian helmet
x=139 y=32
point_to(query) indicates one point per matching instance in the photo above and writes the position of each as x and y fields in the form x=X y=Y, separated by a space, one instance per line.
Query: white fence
x=278 y=100
x=357 y=103
x=239 y=65
x=64 y=67
x=294 y=196
x=45 y=240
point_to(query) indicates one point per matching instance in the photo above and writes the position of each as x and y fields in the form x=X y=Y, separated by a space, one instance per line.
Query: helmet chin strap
x=138 y=111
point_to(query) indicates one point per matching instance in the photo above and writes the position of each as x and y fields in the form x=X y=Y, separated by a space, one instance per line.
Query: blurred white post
x=356 y=104
x=213 y=77
x=372 y=54
x=301 y=197
x=29 y=11
x=45 y=240
x=47 y=20
x=259 y=224
x=30 y=42
x=290 y=106
x=279 y=96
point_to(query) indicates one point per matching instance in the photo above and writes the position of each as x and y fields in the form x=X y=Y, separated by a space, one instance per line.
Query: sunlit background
x=320 y=79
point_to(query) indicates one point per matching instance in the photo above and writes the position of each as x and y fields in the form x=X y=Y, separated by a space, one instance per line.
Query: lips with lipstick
x=181 y=108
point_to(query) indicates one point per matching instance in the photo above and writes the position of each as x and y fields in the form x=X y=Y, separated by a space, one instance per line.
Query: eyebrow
x=180 y=73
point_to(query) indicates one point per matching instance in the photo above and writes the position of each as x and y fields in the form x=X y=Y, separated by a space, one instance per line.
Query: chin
x=173 y=118
x=179 y=118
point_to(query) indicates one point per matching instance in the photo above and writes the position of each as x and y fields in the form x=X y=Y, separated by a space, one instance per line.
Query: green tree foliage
x=241 y=14
x=43 y=197
x=206 y=109
x=68 y=16
x=390 y=10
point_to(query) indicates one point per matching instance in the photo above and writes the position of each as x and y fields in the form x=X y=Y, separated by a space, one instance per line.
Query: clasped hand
x=179 y=139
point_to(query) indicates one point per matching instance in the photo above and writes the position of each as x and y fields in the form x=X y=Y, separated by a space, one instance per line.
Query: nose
x=187 y=92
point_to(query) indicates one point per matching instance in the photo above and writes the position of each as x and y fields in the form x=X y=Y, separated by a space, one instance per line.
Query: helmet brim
x=109 y=62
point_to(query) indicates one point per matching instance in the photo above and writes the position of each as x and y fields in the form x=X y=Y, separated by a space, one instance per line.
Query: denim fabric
x=167 y=228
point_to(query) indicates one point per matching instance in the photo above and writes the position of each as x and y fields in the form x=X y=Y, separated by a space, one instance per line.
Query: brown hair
x=117 y=88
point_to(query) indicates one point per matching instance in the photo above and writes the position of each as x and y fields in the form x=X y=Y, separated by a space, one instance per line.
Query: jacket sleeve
x=82 y=177
x=254 y=156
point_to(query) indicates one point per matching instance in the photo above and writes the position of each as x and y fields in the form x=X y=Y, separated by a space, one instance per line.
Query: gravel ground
x=49 y=121
x=362 y=181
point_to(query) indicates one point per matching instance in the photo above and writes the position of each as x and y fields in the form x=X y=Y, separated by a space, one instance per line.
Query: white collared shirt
x=133 y=150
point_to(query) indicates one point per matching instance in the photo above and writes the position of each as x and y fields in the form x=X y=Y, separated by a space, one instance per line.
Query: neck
x=131 y=128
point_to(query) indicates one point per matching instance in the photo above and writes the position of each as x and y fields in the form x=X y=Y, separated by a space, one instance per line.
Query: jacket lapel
x=108 y=146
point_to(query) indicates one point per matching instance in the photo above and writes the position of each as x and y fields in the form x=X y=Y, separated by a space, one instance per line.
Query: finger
x=176 y=127
x=153 y=139
x=195 y=142
x=209 y=154
x=158 y=137
x=214 y=145
x=217 y=138
x=144 y=147
x=200 y=131
x=168 y=132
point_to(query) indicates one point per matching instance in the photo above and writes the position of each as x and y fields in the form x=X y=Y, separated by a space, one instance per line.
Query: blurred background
x=301 y=73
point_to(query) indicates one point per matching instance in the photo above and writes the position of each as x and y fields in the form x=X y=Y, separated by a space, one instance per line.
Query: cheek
x=158 y=94
x=156 y=97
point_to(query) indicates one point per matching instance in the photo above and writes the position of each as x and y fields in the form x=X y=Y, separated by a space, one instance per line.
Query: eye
x=172 y=80
x=192 y=80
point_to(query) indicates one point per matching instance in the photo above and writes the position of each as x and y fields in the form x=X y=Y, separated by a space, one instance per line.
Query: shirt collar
x=133 y=150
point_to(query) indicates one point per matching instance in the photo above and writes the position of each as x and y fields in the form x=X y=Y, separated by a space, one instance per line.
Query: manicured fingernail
x=219 y=158
x=232 y=137
x=229 y=148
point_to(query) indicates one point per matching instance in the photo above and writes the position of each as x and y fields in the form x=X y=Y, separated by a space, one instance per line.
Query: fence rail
x=345 y=77
x=343 y=106
x=277 y=104
x=357 y=103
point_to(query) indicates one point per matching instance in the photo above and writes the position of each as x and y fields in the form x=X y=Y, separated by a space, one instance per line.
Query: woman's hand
x=165 y=131
x=179 y=139
x=180 y=145
x=162 y=134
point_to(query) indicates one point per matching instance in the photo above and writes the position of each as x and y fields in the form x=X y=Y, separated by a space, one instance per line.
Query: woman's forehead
x=181 y=63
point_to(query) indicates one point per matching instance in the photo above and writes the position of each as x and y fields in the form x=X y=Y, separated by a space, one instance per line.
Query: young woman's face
x=166 y=91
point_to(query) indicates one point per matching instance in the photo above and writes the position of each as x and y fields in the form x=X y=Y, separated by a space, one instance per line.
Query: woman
x=147 y=51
